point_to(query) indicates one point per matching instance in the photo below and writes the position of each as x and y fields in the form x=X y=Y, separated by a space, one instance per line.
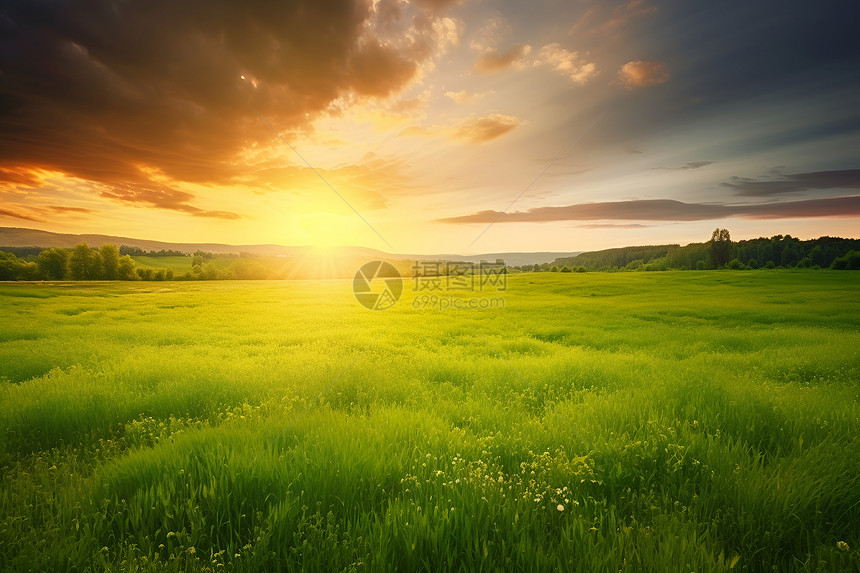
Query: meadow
x=672 y=421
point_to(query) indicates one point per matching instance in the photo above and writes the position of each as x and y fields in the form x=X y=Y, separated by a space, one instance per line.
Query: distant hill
x=21 y=237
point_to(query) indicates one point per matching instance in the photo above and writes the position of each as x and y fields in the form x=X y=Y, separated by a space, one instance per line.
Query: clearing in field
x=678 y=421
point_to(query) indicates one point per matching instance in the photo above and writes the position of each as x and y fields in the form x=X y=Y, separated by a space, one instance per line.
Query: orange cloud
x=473 y=130
x=7 y=213
x=486 y=128
x=463 y=97
x=639 y=74
x=493 y=61
x=567 y=62
x=110 y=93
x=161 y=198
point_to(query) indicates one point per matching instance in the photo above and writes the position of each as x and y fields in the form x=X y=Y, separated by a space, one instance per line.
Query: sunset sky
x=440 y=126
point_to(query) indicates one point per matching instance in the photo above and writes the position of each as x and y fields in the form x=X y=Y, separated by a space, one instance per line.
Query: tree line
x=779 y=251
x=78 y=263
x=109 y=262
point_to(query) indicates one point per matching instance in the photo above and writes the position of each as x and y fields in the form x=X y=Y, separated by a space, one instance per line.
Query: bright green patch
x=695 y=421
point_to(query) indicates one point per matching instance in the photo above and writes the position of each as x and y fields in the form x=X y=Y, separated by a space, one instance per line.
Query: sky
x=431 y=126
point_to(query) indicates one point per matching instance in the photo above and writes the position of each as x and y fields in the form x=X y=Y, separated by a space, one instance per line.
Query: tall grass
x=637 y=422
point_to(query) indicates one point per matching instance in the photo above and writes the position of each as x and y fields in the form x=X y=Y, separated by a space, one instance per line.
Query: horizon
x=438 y=126
x=336 y=247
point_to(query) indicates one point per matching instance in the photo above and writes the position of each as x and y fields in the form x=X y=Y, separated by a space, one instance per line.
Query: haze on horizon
x=566 y=126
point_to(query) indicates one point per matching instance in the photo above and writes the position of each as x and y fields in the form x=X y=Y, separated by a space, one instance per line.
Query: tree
x=110 y=262
x=126 y=270
x=851 y=261
x=53 y=264
x=85 y=264
x=721 y=247
x=13 y=269
x=210 y=272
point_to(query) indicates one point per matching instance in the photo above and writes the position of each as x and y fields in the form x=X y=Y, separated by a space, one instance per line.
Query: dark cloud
x=105 y=91
x=614 y=226
x=793 y=183
x=688 y=166
x=670 y=210
x=161 y=198
x=492 y=62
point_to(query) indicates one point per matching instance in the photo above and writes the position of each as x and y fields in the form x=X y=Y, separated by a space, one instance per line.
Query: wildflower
x=560 y=507
x=842 y=546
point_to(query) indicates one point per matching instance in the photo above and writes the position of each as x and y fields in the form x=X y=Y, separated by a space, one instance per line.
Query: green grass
x=689 y=421
x=176 y=264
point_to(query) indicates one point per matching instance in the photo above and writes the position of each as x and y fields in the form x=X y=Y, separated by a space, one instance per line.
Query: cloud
x=486 y=128
x=474 y=129
x=463 y=97
x=485 y=39
x=23 y=177
x=596 y=22
x=162 y=198
x=64 y=209
x=567 y=62
x=493 y=61
x=688 y=166
x=792 y=183
x=16 y=215
x=615 y=226
x=670 y=210
x=639 y=74
x=437 y=5
x=100 y=90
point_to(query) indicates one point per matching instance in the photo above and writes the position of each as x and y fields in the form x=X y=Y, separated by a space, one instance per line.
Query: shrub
x=851 y=261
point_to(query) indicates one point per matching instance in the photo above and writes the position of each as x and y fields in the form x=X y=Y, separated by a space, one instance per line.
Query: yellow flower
x=560 y=507
x=842 y=546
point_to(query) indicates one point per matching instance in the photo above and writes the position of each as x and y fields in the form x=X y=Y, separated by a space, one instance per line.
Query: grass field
x=677 y=421
x=178 y=265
